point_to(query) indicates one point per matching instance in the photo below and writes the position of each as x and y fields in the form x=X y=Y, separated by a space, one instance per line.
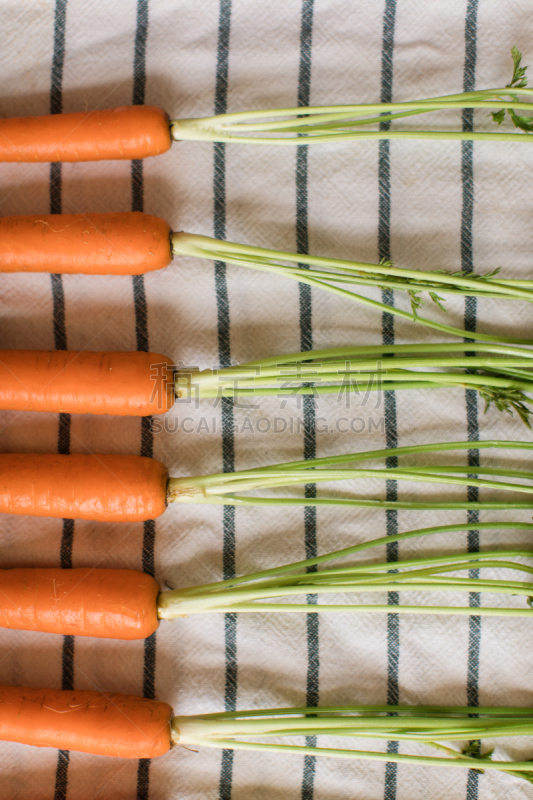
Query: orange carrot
x=87 y=721
x=109 y=488
x=107 y=603
x=129 y=243
x=130 y=384
x=127 y=132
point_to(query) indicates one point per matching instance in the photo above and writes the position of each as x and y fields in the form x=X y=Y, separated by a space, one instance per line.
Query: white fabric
x=343 y=197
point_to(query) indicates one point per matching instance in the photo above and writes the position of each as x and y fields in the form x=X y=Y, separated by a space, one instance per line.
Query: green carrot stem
x=520 y=374
x=379 y=728
x=296 y=391
x=414 y=574
x=241 y=116
x=341 y=367
x=310 y=116
x=418 y=725
x=216 y=250
x=493 y=712
x=329 y=120
x=221 y=488
x=357 y=579
x=279 y=578
x=366 y=755
x=334 y=122
x=184 y=131
x=371 y=455
x=325 y=608
x=479 y=557
x=481 y=470
x=191 y=244
x=397 y=350
x=254 y=605
x=273 y=479
x=315 y=370
x=370 y=583
x=318 y=502
x=423 y=565
x=320 y=383
x=304 y=565
x=412 y=285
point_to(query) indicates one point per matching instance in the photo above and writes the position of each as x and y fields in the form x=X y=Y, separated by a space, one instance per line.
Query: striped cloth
x=441 y=205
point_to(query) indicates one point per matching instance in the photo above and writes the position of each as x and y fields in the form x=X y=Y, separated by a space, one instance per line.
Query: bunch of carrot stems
x=225 y=488
x=345 y=122
x=265 y=730
x=422 y=574
x=327 y=273
x=425 y=725
x=501 y=374
x=320 y=124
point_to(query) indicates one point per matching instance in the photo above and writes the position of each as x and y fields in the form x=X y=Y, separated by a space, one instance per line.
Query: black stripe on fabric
x=391 y=424
x=60 y=792
x=60 y=343
x=141 y=335
x=309 y=409
x=224 y=357
x=139 y=55
x=470 y=321
x=58 y=58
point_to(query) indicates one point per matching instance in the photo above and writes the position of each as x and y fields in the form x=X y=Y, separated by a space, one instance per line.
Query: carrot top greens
x=345 y=122
x=501 y=374
x=425 y=725
x=334 y=274
x=226 y=488
x=253 y=593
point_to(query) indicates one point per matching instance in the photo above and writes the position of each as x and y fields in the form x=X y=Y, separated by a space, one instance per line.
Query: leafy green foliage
x=416 y=301
x=438 y=300
x=472 y=750
x=415 y=294
x=524 y=123
x=527 y=776
x=518 y=81
x=482 y=276
x=508 y=401
x=498 y=116
x=472 y=276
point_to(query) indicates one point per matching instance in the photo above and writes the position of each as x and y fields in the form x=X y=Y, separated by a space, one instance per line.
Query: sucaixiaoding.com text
x=271 y=425
x=348 y=392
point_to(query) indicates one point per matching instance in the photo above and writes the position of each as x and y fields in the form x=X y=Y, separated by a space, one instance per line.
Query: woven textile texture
x=441 y=205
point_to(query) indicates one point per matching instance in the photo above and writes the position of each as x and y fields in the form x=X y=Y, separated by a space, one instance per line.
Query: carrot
x=129 y=243
x=134 y=727
x=109 y=488
x=125 y=604
x=107 y=603
x=130 y=384
x=126 y=132
x=137 y=384
x=134 y=132
x=133 y=243
x=87 y=721
x=135 y=488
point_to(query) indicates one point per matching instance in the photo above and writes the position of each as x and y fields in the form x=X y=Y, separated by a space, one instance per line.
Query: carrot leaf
x=518 y=81
x=508 y=401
